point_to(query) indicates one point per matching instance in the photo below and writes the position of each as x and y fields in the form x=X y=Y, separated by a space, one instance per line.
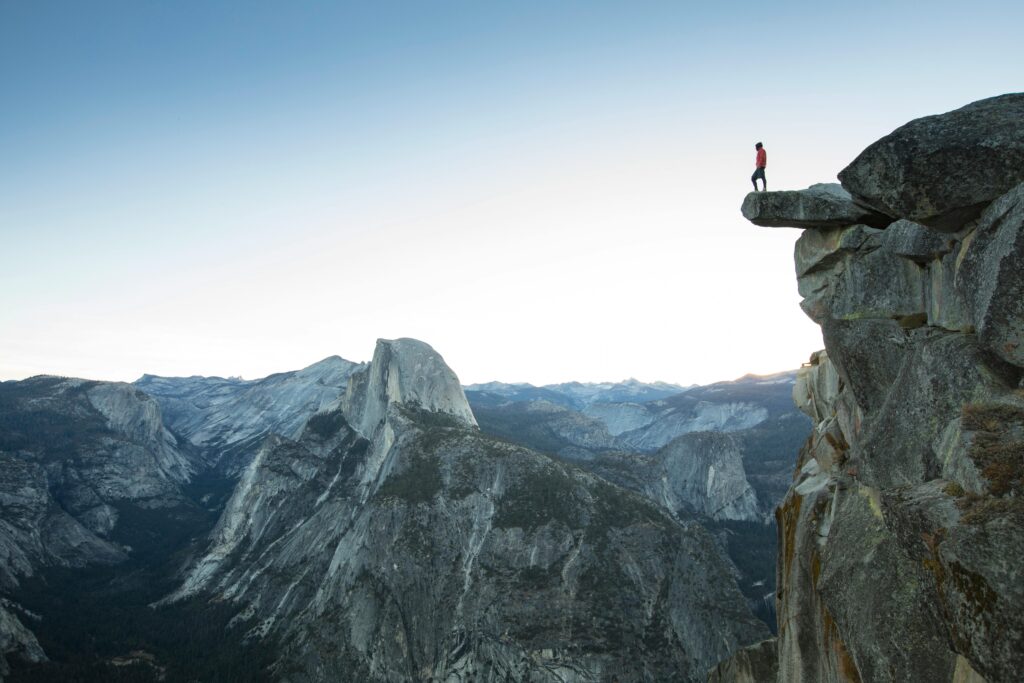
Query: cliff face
x=393 y=541
x=70 y=452
x=227 y=419
x=902 y=537
x=76 y=457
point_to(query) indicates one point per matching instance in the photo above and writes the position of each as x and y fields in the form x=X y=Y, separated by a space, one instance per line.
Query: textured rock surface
x=75 y=456
x=825 y=205
x=943 y=170
x=228 y=418
x=753 y=664
x=700 y=474
x=990 y=277
x=902 y=537
x=832 y=289
x=415 y=548
x=409 y=372
x=704 y=472
x=70 y=452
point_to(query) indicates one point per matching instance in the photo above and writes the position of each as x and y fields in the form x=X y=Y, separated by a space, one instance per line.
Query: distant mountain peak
x=403 y=371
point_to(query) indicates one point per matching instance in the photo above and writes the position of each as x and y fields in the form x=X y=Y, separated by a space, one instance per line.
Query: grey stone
x=703 y=473
x=429 y=551
x=756 y=663
x=80 y=448
x=944 y=297
x=916 y=242
x=909 y=385
x=848 y=274
x=882 y=600
x=817 y=387
x=404 y=371
x=979 y=572
x=226 y=419
x=901 y=537
x=991 y=277
x=822 y=250
x=825 y=205
x=942 y=170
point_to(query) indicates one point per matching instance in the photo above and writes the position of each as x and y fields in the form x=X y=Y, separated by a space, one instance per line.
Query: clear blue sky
x=544 y=191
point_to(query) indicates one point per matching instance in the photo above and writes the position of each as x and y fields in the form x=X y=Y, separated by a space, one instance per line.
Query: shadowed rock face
x=991 y=277
x=75 y=456
x=16 y=640
x=943 y=170
x=415 y=548
x=820 y=206
x=71 y=451
x=902 y=537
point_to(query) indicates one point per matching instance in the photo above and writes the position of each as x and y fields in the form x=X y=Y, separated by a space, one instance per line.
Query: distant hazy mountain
x=227 y=418
x=576 y=394
x=758 y=412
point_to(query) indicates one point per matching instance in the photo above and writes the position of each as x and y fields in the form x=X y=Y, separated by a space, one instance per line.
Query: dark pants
x=759 y=173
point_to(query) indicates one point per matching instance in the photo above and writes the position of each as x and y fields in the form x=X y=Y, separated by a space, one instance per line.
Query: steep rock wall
x=901 y=544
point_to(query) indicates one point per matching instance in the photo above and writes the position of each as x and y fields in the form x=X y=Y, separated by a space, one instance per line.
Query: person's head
x=758 y=145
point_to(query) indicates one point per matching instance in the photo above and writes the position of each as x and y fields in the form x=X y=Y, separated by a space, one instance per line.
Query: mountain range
x=378 y=522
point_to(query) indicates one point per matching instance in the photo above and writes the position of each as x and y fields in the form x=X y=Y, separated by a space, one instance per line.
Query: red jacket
x=762 y=158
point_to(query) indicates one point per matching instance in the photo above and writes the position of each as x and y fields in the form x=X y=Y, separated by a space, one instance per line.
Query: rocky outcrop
x=819 y=206
x=901 y=541
x=404 y=371
x=71 y=452
x=755 y=664
x=36 y=531
x=393 y=541
x=942 y=170
x=16 y=641
x=75 y=457
x=226 y=419
x=702 y=473
x=698 y=475
x=991 y=284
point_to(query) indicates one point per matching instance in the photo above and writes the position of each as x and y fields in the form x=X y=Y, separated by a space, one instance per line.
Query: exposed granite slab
x=943 y=170
x=825 y=205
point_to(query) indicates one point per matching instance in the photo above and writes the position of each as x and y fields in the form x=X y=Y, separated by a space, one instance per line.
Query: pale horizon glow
x=541 y=194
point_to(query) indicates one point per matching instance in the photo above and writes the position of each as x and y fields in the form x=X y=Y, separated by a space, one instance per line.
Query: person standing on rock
x=760 y=163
